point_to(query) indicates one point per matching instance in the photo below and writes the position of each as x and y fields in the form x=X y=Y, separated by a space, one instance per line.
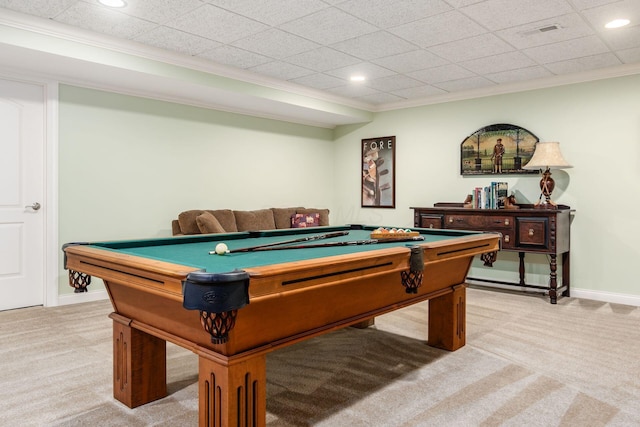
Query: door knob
x=35 y=206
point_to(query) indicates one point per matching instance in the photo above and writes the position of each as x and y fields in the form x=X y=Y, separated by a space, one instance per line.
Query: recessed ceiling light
x=113 y=3
x=617 y=23
x=357 y=78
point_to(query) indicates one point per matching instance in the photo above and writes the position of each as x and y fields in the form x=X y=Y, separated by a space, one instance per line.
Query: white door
x=22 y=148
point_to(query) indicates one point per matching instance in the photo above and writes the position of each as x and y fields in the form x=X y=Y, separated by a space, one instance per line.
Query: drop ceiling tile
x=623 y=38
x=584 y=64
x=374 y=45
x=439 y=29
x=472 y=48
x=529 y=73
x=418 y=92
x=352 y=90
x=570 y=26
x=228 y=27
x=385 y=13
x=104 y=20
x=328 y=26
x=599 y=16
x=281 y=70
x=370 y=71
x=571 y=49
x=235 y=57
x=498 y=63
x=176 y=40
x=441 y=74
x=322 y=59
x=410 y=61
x=319 y=81
x=587 y=4
x=392 y=83
x=43 y=8
x=275 y=43
x=380 y=98
x=465 y=84
x=629 y=56
x=160 y=11
x=499 y=14
x=462 y=3
x=272 y=13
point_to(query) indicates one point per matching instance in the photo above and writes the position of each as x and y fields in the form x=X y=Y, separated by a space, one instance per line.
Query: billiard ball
x=221 y=249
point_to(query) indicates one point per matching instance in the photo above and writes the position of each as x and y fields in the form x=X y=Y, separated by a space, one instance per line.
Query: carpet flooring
x=526 y=363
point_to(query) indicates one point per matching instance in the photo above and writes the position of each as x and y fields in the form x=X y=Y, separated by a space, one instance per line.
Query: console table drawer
x=533 y=232
x=478 y=222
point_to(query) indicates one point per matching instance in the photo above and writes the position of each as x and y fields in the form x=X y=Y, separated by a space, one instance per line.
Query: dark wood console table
x=524 y=230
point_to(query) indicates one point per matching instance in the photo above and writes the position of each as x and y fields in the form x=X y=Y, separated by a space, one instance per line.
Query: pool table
x=233 y=309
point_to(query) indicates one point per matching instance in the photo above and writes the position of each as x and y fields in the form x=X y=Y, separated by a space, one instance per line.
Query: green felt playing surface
x=194 y=251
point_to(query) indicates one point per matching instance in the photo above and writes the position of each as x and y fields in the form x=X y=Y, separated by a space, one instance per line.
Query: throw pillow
x=207 y=223
x=305 y=220
x=324 y=214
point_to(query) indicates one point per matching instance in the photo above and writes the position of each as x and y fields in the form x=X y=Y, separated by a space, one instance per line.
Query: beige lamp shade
x=547 y=156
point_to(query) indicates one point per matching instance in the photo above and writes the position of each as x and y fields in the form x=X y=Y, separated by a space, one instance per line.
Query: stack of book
x=490 y=197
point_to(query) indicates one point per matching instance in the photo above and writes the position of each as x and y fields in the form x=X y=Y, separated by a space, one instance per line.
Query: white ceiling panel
x=500 y=14
x=169 y=38
x=217 y=24
x=405 y=49
x=571 y=49
x=374 y=45
x=275 y=43
x=584 y=63
x=93 y=17
x=536 y=72
x=439 y=29
x=272 y=13
x=329 y=26
x=442 y=74
x=482 y=46
x=387 y=14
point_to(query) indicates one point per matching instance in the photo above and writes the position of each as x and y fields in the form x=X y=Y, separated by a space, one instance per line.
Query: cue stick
x=287 y=242
x=350 y=243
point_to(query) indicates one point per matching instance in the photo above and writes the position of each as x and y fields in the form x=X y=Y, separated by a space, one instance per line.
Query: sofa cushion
x=226 y=218
x=207 y=223
x=305 y=220
x=324 y=214
x=282 y=216
x=261 y=219
x=187 y=221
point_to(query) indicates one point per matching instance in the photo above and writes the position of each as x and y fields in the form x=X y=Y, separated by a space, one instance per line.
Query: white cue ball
x=221 y=249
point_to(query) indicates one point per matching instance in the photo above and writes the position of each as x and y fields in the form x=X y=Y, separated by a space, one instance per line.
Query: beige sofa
x=227 y=221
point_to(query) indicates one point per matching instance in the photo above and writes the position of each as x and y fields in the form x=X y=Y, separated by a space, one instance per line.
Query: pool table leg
x=447 y=317
x=232 y=391
x=139 y=364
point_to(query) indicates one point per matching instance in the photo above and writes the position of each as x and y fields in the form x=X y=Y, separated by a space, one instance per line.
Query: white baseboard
x=74 y=298
x=606 y=297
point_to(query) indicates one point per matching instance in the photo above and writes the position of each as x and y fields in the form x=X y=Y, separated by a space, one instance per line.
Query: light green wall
x=130 y=165
x=598 y=126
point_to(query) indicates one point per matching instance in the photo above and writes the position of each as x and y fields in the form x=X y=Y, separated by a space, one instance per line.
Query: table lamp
x=547 y=156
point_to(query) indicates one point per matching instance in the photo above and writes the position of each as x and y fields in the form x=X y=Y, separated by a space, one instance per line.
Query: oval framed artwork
x=496 y=150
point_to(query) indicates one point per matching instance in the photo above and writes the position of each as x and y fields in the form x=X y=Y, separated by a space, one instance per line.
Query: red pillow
x=305 y=220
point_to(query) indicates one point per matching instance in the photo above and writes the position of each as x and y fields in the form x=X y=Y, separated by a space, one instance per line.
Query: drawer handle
x=450 y=219
x=531 y=232
x=506 y=238
x=506 y=221
x=430 y=225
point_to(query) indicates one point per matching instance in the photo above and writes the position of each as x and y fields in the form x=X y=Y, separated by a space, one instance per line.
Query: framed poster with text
x=379 y=172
